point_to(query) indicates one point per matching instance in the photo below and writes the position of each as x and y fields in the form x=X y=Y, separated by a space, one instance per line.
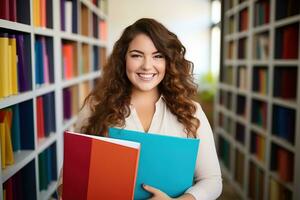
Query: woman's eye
x=135 y=55
x=159 y=56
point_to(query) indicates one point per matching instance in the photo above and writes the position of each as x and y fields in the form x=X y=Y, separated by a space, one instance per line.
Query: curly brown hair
x=110 y=99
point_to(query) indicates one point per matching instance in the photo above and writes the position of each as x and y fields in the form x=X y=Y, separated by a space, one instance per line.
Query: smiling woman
x=147 y=86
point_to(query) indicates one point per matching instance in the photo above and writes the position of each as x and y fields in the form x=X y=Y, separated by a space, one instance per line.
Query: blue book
x=165 y=162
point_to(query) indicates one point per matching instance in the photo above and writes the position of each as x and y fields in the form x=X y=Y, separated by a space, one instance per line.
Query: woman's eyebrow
x=136 y=51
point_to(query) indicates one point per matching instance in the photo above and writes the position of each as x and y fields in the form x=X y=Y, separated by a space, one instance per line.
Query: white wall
x=188 y=19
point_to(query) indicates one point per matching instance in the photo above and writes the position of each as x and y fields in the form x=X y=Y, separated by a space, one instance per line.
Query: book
x=107 y=167
x=162 y=163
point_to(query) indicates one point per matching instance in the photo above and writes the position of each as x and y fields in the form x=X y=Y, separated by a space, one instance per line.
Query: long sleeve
x=208 y=180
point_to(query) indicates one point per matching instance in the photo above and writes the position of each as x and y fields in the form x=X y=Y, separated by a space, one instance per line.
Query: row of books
x=44 y=60
x=240 y=132
x=45 y=112
x=278 y=191
x=226 y=99
x=15 y=70
x=242 y=48
x=42 y=13
x=228 y=75
x=259 y=113
x=69 y=59
x=224 y=151
x=68 y=17
x=73 y=97
x=15 y=11
x=284 y=123
x=230 y=50
x=260 y=80
x=239 y=167
x=262 y=12
x=70 y=102
x=241 y=106
x=285 y=82
x=287 y=8
x=242 y=77
x=7 y=155
x=17 y=131
x=243 y=20
x=21 y=185
x=99 y=57
x=256 y=182
x=287 y=42
x=258 y=146
x=282 y=162
x=47 y=167
x=261 y=46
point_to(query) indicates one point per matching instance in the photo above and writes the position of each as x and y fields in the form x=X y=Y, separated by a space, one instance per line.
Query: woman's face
x=145 y=66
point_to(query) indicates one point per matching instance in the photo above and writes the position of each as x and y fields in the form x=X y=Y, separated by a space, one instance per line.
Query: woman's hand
x=159 y=195
x=156 y=193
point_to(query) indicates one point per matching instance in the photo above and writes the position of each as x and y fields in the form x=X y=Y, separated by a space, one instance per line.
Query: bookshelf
x=258 y=100
x=52 y=53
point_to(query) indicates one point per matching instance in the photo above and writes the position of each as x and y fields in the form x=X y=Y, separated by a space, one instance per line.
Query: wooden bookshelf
x=61 y=46
x=258 y=100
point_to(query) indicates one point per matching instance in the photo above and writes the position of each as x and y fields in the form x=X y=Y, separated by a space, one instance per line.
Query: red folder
x=99 y=167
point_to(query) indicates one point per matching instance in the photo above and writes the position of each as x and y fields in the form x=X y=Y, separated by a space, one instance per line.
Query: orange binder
x=99 y=167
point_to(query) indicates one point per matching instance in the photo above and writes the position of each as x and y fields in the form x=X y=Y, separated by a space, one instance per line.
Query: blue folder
x=165 y=162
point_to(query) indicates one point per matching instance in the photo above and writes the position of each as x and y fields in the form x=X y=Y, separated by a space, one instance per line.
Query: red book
x=285 y=165
x=68 y=60
x=99 y=167
x=8 y=187
x=13 y=10
x=40 y=117
x=4 y=9
x=290 y=42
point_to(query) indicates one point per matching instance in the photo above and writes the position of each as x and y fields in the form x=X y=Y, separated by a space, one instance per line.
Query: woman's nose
x=147 y=64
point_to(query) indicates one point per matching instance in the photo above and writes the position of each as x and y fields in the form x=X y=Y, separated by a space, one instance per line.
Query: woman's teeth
x=146 y=76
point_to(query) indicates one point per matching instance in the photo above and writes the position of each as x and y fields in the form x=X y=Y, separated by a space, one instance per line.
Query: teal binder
x=165 y=162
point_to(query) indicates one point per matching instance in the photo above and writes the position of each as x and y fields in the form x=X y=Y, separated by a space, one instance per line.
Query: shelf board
x=15 y=26
x=283 y=143
x=286 y=103
x=287 y=21
x=286 y=62
x=69 y=123
x=258 y=162
x=80 y=79
x=44 y=89
x=22 y=158
x=259 y=130
x=46 y=194
x=44 y=143
x=261 y=28
x=94 y=8
x=43 y=31
x=15 y=99
x=259 y=96
x=274 y=175
x=260 y=62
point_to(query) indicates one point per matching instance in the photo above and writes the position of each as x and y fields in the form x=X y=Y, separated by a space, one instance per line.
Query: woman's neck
x=139 y=98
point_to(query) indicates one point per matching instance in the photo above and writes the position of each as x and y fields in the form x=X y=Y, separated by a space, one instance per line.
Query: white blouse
x=207 y=176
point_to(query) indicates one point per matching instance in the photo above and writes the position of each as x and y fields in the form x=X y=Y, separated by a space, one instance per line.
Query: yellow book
x=2 y=142
x=36 y=13
x=4 y=66
x=14 y=68
x=274 y=190
x=9 y=154
x=9 y=70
